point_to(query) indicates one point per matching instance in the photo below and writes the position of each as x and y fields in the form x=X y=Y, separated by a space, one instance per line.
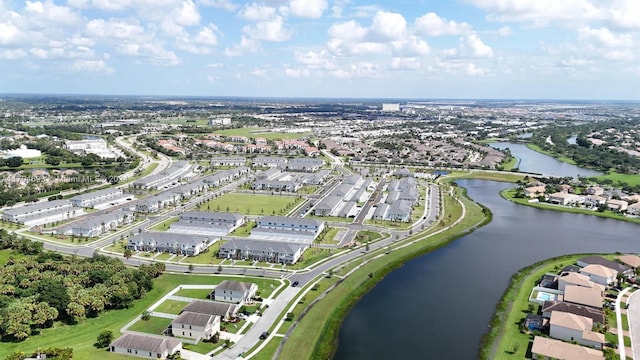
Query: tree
x=289 y=316
x=127 y=253
x=14 y=161
x=146 y=315
x=53 y=293
x=104 y=339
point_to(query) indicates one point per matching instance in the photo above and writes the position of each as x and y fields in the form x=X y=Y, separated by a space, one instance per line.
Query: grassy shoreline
x=538 y=149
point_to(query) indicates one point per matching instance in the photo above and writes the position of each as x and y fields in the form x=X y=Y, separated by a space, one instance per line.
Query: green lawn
x=194 y=293
x=250 y=204
x=171 y=307
x=155 y=325
x=203 y=347
x=232 y=327
x=164 y=225
x=329 y=236
x=537 y=148
x=164 y=256
x=117 y=247
x=617 y=178
x=6 y=254
x=311 y=256
x=244 y=230
x=267 y=352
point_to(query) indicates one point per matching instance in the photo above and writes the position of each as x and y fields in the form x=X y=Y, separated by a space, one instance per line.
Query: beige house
x=545 y=349
x=534 y=191
x=564 y=198
x=572 y=327
x=573 y=278
x=583 y=296
x=600 y=274
x=236 y=292
x=630 y=260
x=617 y=205
x=634 y=209
x=150 y=347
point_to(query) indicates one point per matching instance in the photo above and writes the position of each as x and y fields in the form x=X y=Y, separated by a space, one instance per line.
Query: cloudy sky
x=536 y=49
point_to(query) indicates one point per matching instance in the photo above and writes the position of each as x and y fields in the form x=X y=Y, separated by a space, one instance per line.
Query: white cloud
x=257 y=12
x=92 y=66
x=114 y=29
x=246 y=46
x=356 y=70
x=541 y=12
x=388 y=26
x=259 y=72
x=604 y=37
x=207 y=36
x=477 y=47
x=308 y=8
x=505 y=31
x=338 y=7
x=13 y=54
x=220 y=4
x=430 y=24
x=152 y=51
x=411 y=47
x=297 y=72
x=10 y=34
x=271 y=30
x=39 y=53
x=405 y=63
x=315 y=60
x=349 y=30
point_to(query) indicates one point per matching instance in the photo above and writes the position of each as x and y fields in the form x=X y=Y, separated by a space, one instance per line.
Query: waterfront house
x=600 y=274
x=546 y=348
x=571 y=327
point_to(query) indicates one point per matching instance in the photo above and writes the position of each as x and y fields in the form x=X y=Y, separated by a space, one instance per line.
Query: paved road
x=633 y=314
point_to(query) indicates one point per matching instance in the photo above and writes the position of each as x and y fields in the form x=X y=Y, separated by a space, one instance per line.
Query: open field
x=503 y=176
x=164 y=225
x=617 y=178
x=171 y=307
x=250 y=204
x=82 y=336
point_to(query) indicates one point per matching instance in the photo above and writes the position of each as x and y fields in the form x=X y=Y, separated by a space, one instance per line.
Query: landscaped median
x=316 y=334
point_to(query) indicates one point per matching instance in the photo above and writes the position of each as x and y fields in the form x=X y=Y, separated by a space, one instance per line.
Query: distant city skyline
x=489 y=49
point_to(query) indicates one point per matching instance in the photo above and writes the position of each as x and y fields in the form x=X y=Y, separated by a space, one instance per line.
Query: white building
x=571 y=327
x=91 y=199
x=150 y=347
x=236 y=292
x=390 y=107
x=600 y=274
x=195 y=325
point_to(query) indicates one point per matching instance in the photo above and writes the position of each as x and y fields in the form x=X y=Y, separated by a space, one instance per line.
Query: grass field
x=7 y=254
x=194 y=293
x=617 y=178
x=82 y=336
x=503 y=176
x=171 y=307
x=250 y=204
x=164 y=226
x=155 y=325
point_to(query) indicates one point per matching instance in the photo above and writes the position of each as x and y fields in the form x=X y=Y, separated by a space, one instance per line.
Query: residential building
x=634 y=209
x=262 y=250
x=96 y=225
x=534 y=191
x=600 y=274
x=270 y=161
x=195 y=325
x=630 y=260
x=303 y=164
x=291 y=224
x=591 y=297
x=571 y=327
x=217 y=219
x=563 y=198
x=594 y=190
x=577 y=279
x=617 y=205
x=91 y=199
x=224 y=310
x=175 y=243
x=236 y=292
x=228 y=161
x=599 y=260
x=596 y=315
x=42 y=213
x=145 y=346
x=547 y=349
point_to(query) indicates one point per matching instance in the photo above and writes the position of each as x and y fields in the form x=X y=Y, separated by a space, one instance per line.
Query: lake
x=535 y=162
x=438 y=306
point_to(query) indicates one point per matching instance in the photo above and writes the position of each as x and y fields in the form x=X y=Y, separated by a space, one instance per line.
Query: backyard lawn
x=250 y=204
x=194 y=293
x=171 y=307
x=155 y=325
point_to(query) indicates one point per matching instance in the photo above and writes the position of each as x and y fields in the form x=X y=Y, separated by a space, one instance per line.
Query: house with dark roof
x=236 y=292
x=145 y=346
x=599 y=260
x=175 y=243
x=594 y=314
x=224 y=310
x=195 y=325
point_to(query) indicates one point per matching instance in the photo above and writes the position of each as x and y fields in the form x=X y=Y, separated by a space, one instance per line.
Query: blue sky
x=537 y=49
